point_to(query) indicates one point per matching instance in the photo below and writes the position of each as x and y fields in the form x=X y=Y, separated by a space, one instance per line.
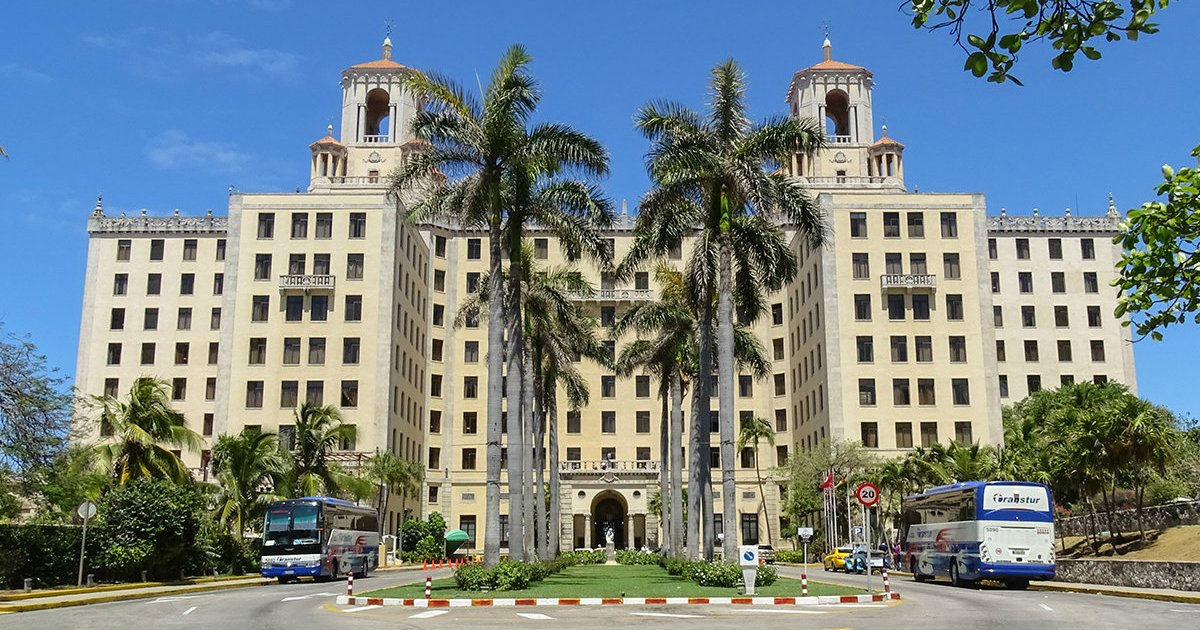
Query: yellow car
x=836 y=561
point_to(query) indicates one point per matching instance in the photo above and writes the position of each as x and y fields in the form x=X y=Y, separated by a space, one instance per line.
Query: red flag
x=827 y=480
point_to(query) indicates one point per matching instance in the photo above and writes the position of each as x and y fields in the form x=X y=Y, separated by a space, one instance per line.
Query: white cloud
x=174 y=149
x=16 y=71
x=219 y=49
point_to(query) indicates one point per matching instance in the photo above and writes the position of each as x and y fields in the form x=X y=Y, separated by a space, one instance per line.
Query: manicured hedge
x=47 y=553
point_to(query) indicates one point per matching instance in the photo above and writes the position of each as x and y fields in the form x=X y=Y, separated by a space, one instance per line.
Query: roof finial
x=885 y=131
x=387 y=38
x=1068 y=212
x=99 y=209
x=827 y=50
x=1035 y=212
x=1112 y=206
x=624 y=208
x=329 y=130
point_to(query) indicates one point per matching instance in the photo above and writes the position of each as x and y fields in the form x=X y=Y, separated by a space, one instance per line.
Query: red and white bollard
x=887 y=589
x=428 y=586
x=350 y=584
x=804 y=584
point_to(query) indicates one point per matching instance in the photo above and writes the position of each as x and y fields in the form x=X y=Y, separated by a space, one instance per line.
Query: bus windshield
x=292 y=526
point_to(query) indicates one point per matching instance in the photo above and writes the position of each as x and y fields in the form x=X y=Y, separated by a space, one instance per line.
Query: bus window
x=277 y=526
x=304 y=524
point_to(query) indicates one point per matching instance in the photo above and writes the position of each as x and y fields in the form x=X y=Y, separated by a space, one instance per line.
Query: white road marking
x=428 y=614
x=1045 y=607
x=176 y=598
x=786 y=611
x=300 y=597
x=667 y=615
x=534 y=616
x=189 y=611
x=362 y=608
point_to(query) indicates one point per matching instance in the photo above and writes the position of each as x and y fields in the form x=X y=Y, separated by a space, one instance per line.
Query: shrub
x=716 y=574
x=593 y=556
x=46 y=553
x=766 y=575
x=626 y=556
x=429 y=549
x=152 y=526
x=472 y=577
x=511 y=576
x=788 y=555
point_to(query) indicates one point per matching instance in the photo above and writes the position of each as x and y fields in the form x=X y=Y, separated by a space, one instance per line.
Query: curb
x=117 y=597
x=821 y=600
x=17 y=597
x=1116 y=592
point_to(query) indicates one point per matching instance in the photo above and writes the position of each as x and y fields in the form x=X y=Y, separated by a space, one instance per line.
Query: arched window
x=378 y=119
x=837 y=113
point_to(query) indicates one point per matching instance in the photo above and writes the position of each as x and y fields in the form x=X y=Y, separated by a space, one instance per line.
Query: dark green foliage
x=593 y=556
x=472 y=577
x=149 y=525
x=715 y=574
x=766 y=576
x=415 y=530
x=429 y=549
x=511 y=576
x=626 y=556
x=674 y=566
x=47 y=553
x=34 y=408
x=789 y=556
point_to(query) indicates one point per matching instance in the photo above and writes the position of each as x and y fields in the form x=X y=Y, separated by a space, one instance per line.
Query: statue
x=608 y=535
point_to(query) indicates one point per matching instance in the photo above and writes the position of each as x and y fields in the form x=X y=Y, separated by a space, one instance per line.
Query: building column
x=587 y=531
x=628 y=531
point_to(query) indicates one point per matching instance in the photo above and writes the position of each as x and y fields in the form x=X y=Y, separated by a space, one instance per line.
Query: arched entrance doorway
x=608 y=511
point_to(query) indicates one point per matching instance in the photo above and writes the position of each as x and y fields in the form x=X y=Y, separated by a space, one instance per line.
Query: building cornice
x=143 y=224
x=1108 y=223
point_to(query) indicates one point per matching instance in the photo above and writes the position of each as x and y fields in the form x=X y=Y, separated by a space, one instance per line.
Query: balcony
x=603 y=466
x=302 y=282
x=908 y=281
x=375 y=139
x=615 y=295
x=834 y=139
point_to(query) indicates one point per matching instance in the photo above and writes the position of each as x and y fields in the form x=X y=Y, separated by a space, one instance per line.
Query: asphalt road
x=310 y=605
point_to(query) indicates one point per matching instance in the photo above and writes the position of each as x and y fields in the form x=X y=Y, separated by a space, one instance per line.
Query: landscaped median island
x=579 y=575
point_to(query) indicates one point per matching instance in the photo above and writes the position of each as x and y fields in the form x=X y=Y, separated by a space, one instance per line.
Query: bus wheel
x=1017 y=584
x=283 y=580
x=912 y=568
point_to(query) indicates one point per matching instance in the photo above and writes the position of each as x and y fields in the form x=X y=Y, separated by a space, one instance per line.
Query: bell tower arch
x=375 y=106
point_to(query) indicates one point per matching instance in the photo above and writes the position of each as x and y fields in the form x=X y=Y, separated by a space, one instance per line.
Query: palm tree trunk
x=495 y=396
x=676 y=460
x=725 y=369
x=516 y=430
x=539 y=458
x=669 y=544
x=528 y=419
x=555 y=506
x=696 y=524
x=762 y=495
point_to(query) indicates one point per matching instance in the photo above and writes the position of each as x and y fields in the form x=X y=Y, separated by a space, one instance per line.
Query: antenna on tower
x=825 y=27
x=387 y=27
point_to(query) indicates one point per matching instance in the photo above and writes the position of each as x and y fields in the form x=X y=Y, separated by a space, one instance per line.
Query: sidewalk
x=1160 y=594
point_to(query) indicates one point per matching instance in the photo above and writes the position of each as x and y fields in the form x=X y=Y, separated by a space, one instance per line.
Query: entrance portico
x=596 y=496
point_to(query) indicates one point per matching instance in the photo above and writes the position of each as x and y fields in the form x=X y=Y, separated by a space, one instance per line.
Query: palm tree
x=249 y=469
x=319 y=433
x=720 y=173
x=753 y=430
x=143 y=426
x=508 y=178
x=392 y=475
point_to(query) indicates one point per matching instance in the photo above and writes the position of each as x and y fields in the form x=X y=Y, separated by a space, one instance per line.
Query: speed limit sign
x=867 y=493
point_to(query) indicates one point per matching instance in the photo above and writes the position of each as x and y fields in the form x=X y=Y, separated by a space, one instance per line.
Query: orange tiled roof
x=328 y=140
x=887 y=140
x=835 y=65
x=380 y=64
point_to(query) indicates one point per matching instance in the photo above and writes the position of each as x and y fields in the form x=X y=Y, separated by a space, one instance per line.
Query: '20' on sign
x=868 y=494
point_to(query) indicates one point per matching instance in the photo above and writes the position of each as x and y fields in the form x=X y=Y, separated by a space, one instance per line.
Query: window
x=608 y=422
x=962 y=433
x=316 y=351
x=116 y=319
x=924 y=347
x=608 y=386
x=869 y=433
x=960 y=391
x=904 y=435
x=262 y=266
x=1064 y=350
x=208 y=425
x=435 y=458
x=642 y=386
x=148 y=353
x=866 y=349
x=1097 y=350
x=1028 y=316
x=893 y=263
x=354 y=308
x=299 y=225
x=435 y=350
x=181 y=352
x=1055 y=247
x=214 y=351
x=187 y=284
x=468 y=463
x=314 y=392
x=318 y=308
x=124 y=247
x=747 y=457
x=675 y=252
x=896 y=307
x=541 y=248
x=470 y=423
x=289 y=394
x=777 y=348
x=958 y=349
x=608 y=453
x=861 y=262
x=439 y=246
x=954 y=307
x=641 y=281
x=439 y=280
x=260 y=306
x=643 y=453
x=929 y=434
x=474 y=249
x=573 y=421
x=642 y=422
x=258 y=351
x=218 y=284
x=1022 y=249
x=324 y=227
x=917 y=264
x=189 y=249
x=891 y=225
x=781 y=419
x=1033 y=383
x=950 y=263
x=1062 y=317
x=296 y=264
x=351 y=347
x=998 y=316
x=354 y=267
x=920 y=307
x=745 y=386
x=899 y=348
x=916 y=225
x=1087 y=248
x=1001 y=355
x=995 y=282
x=358 y=225
x=949 y=225
x=608 y=315
x=154 y=284
x=926 y=392
x=866 y=392
x=156 y=249
x=901 y=394
x=1004 y=386
x=1025 y=282
x=1058 y=282
x=858 y=224
x=992 y=251
x=470 y=387
x=120 y=284
x=349 y=397
x=573 y=454
x=750 y=529
x=1090 y=284
x=220 y=254
x=780 y=384
x=266 y=225
x=777 y=314
x=1093 y=315
x=1031 y=350
x=183 y=319
x=471 y=352
x=862 y=307
x=178 y=388
x=435 y=421
x=254 y=394
x=439 y=315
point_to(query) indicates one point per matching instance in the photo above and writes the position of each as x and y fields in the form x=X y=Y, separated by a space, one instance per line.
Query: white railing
x=832 y=139
x=376 y=139
x=602 y=466
x=358 y=179
x=306 y=282
x=617 y=295
x=851 y=179
x=908 y=281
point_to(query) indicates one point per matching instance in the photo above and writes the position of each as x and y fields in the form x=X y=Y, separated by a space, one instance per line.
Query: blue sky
x=166 y=104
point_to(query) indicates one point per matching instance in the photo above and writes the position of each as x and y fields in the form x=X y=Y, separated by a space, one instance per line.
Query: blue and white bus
x=973 y=530
x=319 y=537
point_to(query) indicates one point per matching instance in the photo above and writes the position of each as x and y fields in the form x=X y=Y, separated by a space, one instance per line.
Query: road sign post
x=805 y=534
x=748 y=559
x=868 y=496
x=86 y=510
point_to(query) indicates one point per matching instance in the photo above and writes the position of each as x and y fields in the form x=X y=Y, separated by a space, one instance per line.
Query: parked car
x=766 y=554
x=836 y=561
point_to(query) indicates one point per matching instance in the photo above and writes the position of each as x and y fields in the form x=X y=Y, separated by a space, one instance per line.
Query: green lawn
x=613 y=581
